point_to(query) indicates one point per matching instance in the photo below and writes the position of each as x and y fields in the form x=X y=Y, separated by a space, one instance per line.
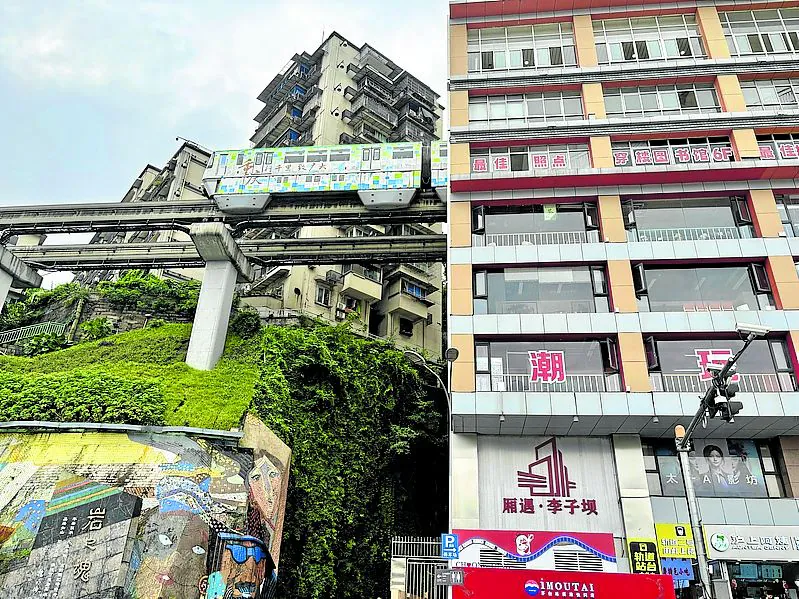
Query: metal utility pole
x=721 y=386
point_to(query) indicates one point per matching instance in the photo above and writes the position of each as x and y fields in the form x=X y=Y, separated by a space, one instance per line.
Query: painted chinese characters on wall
x=547 y=483
x=145 y=515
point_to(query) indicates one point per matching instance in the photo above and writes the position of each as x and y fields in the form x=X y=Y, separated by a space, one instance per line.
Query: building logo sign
x=719 y=541
x=548 y=476
x=675 y=541
x=538 y=161
x=547 y=366
x=548 y=588
x=532 y=588
x=644 y=556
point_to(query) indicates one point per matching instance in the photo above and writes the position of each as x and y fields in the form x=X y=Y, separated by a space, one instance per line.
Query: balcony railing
x=542 y=238
x=368 y=273
x=532 y=307
x=574 y=383
x=772 y=382
x=689 y=234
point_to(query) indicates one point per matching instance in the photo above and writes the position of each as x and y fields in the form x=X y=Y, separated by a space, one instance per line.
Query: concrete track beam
x=214 y=243
x=15 y=273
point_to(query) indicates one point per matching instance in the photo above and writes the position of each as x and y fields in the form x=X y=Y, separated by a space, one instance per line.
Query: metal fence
x=688 y=234
x=22 y=333
x=574 y=383
x=422 y=559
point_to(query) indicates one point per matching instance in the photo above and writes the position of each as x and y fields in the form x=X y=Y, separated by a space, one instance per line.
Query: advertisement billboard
x=536 y=550
x=547 y=483
x=491 y=583
x=756 y=543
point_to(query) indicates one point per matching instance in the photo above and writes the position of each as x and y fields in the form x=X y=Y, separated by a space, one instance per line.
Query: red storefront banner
x=493 y=583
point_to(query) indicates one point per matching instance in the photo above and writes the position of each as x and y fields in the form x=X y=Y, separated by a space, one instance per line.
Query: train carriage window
x=268 y=158
x=259 y=158
x=402 y=154
x=443 y=151
x=240 y=160
x=376 y=154
x=317 y=157
x=339 y=155
x=223 y=160
x=366 y=153
x=294 y=157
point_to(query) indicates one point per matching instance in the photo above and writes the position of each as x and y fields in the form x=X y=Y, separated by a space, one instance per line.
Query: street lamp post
x=707 y=407
x=451 y=354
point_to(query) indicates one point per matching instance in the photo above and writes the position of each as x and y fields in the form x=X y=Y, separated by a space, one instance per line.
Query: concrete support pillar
x=709 y=23
x=463 y=369
x=213 y=315
x=636 y=508
x=5 y=287
x=601 y=152
x=731 y=97
x=622 y=290
x=458 y=63
x=15 y=273
x=633 y=363
x=611 y=220
x=465 y=503
x=461 y=293
x=584 y=41
x=593 y=101
x=744 y=144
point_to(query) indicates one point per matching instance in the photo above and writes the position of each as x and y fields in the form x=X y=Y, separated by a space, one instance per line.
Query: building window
x=517 y=110
x=718 y=288
x=701 y=150
x=523 y=47
x=783 y=146
x=323 y=295
x=788 y=209
x=647 y=39
x=573 y=366
x=681 y=366
x=352 y=304
x=695 y=219
x=539 y=224
x=683 y=98
x=770 y=93
x=406 y=327
x=719 y=468
x=413 y=289
x=530 y=158
x=547 y=290
x=761 y=31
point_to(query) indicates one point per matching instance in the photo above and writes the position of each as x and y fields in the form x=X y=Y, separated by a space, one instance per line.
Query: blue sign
x=449 y=546
x=678 y=569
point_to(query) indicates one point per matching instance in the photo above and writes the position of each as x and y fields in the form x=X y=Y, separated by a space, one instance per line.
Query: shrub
x=80 y=396
x=42 y=344
x=148 y=293
x=246 y=324
x=155 y=323
x=96 y=328
x=30 y=308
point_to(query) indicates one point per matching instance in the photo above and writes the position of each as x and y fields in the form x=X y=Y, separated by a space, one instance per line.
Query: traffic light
x=723 y=389
x=729 y=409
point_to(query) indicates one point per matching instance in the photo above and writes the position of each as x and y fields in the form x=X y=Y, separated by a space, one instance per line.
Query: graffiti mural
x=146 y=515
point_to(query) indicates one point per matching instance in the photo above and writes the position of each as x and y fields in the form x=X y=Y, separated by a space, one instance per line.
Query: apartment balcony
x=573 y=383
x=687 y=234
x=273 y=129
x=407 y=306
x=407 y=131
x=409 y=88
x=370 y=111
x=541 y=238
x=362 y=283
x=416 y=272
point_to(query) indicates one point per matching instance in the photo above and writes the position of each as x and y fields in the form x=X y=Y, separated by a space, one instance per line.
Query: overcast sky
x=91 y=91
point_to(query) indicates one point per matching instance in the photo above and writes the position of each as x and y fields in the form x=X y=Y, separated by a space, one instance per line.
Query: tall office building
x=623 y=192
x=345 y=94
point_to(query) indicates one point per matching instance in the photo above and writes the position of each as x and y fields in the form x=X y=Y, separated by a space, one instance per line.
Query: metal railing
x=552 y=307
x=689 y=234
x=422 y=557
x=574 y=383
x=542 y=238
x=22 y=333
x=772 y=382
x=415 y=547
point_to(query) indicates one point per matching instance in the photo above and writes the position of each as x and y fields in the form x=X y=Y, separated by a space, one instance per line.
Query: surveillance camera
x=714 y=368
x=752 y=329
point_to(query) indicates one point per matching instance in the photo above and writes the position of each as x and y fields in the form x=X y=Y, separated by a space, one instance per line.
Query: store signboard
x=675 y=541
x=678 y=569
x=644 y=556
x=752 y=543
x=547 y=483
x=535 y=550
x=674 y=155
x=491 y=583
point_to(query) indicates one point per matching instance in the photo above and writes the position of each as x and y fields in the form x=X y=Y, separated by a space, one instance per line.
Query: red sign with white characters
x=492 y=583
x=547 y=366
x=705 y=357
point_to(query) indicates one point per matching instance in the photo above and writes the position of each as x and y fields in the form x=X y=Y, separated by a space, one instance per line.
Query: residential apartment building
x=344 y=94
x=624 y=191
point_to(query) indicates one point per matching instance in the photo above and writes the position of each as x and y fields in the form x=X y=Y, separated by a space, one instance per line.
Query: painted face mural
x=147 y=516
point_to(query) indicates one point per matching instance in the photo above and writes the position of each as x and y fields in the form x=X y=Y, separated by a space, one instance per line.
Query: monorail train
x=389 y=166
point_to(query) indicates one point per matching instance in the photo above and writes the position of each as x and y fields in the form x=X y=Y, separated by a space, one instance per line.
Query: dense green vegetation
x=366 y=432
x=149 y=293
x=30 y=308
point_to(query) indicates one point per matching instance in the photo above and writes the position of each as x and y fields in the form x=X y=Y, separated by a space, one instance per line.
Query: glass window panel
x=779 y=41
x=488 y=60
x=786 y=95
x=573 y=106
x=552 y=107
x=687 y=99
x=555 y=56
x=616 y=54
x=528 y=57
x=653 y=483
x=780 y=353
x=613 y=104
x=519 y=162
x=706 y=98
x=672 y=49
x=768 y=94
x=569 y=56
x=773 y=485
x=515 y=59
x=535 y=106
x=482 y=358
x=478 y=111
x=632 y=101
x=542 y=57
x=628 y=48
x=515 y=108
x=653 y=49
x=754 y=43
x=497 y=108
x=474 y=62
x=649 y=102
x=683 y=47
x=669 y=99
x=641 y=51
x=696 y=47
x=499 y=59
